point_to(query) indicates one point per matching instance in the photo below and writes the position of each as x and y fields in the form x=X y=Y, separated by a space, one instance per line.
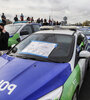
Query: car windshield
x=46 y=47
x=12 y=29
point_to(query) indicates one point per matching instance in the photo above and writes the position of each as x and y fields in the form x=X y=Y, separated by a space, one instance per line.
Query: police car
x=86 y=32
x=47 y=65
x=19 y=31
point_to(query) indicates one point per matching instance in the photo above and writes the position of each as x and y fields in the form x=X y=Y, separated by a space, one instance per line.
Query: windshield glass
x=12 y=29
x=53 y=47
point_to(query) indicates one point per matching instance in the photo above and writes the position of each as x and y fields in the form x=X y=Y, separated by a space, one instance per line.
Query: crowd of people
x=41 y=21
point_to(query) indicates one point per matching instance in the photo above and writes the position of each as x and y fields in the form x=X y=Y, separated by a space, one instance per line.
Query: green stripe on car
x=13 y=40
x=71 y=84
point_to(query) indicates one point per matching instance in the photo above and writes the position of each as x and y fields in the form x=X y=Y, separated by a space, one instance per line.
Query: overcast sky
x=75 y=10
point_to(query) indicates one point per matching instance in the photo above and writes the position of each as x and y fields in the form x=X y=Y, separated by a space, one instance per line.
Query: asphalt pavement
x=85 y=89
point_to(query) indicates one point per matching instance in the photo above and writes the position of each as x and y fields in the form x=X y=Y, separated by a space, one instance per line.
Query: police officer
x=15 y=18
x=3 y=17
x=4 y=36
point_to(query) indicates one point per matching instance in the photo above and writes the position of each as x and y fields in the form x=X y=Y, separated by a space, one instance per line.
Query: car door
x=28 y=29
x=81 y=45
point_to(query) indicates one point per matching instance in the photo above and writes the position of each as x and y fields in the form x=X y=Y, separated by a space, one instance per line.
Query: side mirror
x=24 y=33
x=84 y=54
x=14 y=50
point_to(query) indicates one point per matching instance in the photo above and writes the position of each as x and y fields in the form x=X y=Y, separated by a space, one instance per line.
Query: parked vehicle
x=47 y=65
x=86 y=32
x=19 y=31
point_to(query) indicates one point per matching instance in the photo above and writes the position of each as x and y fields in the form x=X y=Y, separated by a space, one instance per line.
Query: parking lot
x=85 y=89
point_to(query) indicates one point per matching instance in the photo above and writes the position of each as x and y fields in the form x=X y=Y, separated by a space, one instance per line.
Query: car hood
x=32 y=78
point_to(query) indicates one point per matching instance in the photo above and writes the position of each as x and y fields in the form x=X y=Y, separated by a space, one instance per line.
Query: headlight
x=54 y=95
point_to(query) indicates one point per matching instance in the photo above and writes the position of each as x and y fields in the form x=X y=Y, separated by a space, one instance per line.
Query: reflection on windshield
x=58 y=47
x=12 y=29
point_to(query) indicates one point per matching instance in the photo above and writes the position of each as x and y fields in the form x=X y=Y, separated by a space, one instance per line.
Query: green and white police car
x=19 y=31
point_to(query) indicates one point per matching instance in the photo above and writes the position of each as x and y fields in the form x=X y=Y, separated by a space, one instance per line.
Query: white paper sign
x=39 y=48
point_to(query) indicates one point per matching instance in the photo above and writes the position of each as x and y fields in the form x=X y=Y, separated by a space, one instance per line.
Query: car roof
x=17 y=24
x=66 y=32
x=24 y=24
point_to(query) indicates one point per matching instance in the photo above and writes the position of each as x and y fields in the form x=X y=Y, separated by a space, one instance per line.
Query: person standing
x=22 y=17
x=4 y=36
x=15 y=18
x=28 y=19
x=32 y=19
x=3 y=17
x=45 y=22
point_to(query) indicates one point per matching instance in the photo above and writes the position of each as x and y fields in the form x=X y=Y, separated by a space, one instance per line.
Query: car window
x=12 y=29
x=27 y=28
x=80 y=39
x=81 y=43
x=36 y=28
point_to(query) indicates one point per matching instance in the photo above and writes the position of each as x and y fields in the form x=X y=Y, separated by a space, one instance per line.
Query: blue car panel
x=33 y=79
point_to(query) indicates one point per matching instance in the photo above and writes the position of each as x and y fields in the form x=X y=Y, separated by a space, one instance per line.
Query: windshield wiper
x=33 y=58
x=52 y=60
x=26 y=57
